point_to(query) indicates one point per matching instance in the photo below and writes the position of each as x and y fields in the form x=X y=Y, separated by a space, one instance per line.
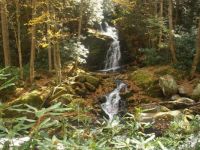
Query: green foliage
x=8 y=77
x=153 y=56
x=48 y=128
x=185 y=48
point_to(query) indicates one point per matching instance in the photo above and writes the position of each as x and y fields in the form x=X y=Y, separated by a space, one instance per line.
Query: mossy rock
x=33 y=98
x=168 y=85
x=64 y=99
x=147 y=81
x=90 y=87
x=196 y=93
x=88 y=78
x=143 y=78
x=81 y=91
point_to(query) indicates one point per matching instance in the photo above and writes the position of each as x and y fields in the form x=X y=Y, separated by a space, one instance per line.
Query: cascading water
x=113 y=54
x=111 y=106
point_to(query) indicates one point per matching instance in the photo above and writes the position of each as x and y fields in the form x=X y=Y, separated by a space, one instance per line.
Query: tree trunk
x=48 y=38
x=5 y=33
x=171 y=36
x=161 y=26
x=19 y=38
x=59 y=74
x=197 y=55
x=80 y=20
x=32 y=58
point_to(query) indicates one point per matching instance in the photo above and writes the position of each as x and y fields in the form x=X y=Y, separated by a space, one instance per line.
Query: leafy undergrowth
x=71 y=127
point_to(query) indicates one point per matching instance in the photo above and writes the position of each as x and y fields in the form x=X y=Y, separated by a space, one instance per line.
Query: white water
x=111 y=106
x=113 y=54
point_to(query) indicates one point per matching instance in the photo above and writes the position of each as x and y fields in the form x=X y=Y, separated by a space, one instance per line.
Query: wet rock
x=98 y=44
x=195 y=109
x=168 y=85
x=153 y=108
x=175 y=97
x=151 y=117
x=196 y=93
x=180 y=103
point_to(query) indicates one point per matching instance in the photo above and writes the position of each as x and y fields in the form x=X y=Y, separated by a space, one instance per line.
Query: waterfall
x=111 y=106
x=113 y=54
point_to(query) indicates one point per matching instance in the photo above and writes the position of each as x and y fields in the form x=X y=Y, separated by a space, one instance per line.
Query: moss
x=147 y=81
x=143 y=78
x=33 y=98
x=88 y=78
x=177 y=74
x=64 y=99
x=90 y=87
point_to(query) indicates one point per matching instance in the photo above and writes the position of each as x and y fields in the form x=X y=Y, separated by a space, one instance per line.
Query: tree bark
x=59 y=74
x=171 y=36
x=197 y=55
x=80 y=20
x=32 y=58
x=48 y=38
x=5 y=33
x=19 y=38
x=161 y=26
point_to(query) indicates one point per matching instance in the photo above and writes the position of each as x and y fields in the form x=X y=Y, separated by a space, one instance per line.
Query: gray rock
x=196 y=92
x=168 y=85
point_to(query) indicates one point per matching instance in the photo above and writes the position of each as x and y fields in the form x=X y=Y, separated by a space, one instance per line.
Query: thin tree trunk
x=80 y=20
x=5 y=33
x=32 y=58
x=161 y=26
x=59 y=74
x=48 y=38
x=19 y=38
x=197 y=55
x=54 y=56
x=171 y=36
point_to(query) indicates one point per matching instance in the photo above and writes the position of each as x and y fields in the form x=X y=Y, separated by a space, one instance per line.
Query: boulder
x=64 y=99
x=33 y=98
x=168 y=85
x=92 y=80
x=180 y=103
x=185 y=89
x=196 y=93
x=81 y=91
x=90 y=87
x=98 y=45
x=160 y=121
x=88 y=78
x=147 y=81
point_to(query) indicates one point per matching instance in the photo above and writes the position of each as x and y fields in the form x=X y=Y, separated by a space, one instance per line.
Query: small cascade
x=113 y=54
x=111 y=106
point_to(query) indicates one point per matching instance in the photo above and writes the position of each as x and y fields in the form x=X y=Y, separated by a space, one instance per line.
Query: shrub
x=153 y=56
x=8 y=77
